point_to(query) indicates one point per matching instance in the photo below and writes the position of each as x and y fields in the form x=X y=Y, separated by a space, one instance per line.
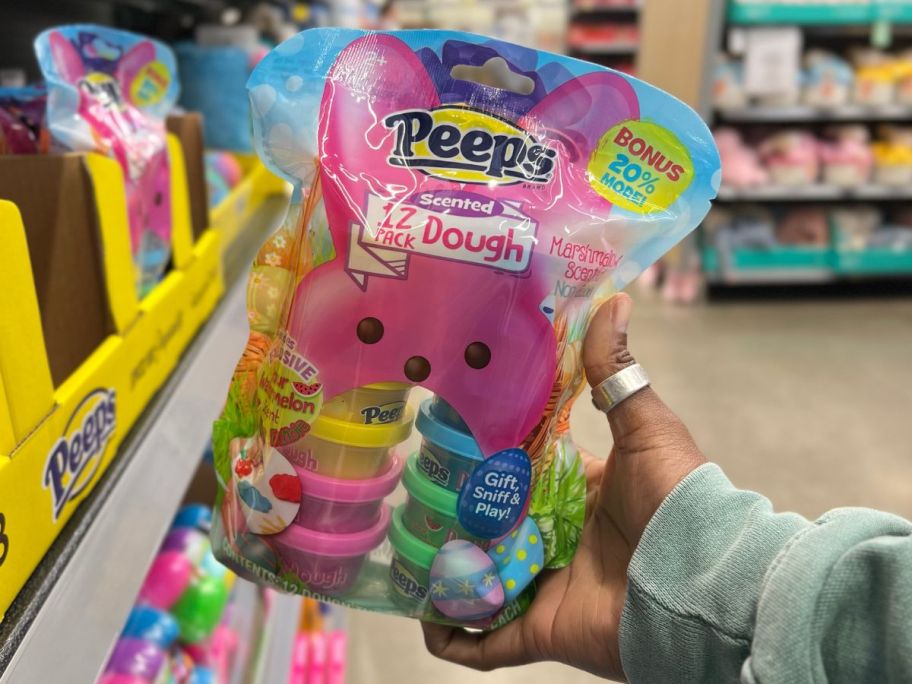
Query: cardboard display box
x=80 y=355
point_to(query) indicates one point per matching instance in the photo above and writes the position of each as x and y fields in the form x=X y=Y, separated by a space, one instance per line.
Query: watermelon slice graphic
x=431 y=524
x=308 y=390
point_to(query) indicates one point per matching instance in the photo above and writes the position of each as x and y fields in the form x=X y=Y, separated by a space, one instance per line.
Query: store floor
x=809 y=403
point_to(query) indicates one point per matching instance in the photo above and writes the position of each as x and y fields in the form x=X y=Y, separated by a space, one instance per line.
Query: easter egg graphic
x=494 y=498
x=267 y=487
x=464 y=584
x=519 y=557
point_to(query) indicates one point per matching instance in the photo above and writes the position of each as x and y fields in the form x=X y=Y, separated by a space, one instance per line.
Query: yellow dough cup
x=348 y=451
x=381 y=403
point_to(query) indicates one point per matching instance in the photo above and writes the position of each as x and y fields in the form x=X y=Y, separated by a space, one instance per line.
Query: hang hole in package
x=450 y=235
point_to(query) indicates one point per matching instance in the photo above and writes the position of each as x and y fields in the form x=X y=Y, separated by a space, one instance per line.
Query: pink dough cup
x=330 y=504
x=329 y=563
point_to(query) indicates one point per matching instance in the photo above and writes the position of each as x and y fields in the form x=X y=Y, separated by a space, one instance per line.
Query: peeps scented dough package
x=109 y=91
x=445 y=248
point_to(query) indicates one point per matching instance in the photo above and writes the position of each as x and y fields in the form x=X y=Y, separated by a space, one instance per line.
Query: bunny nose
x=417 y=368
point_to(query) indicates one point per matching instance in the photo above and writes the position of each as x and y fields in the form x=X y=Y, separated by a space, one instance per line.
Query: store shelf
x=608 y=10
x=68 y=616
x=801 y=114
x=605 y=48
x=813 y=193
x=821 y=13
x=771 y=276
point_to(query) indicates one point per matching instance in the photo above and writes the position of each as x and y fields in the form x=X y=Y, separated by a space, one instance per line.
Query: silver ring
x=618 y=387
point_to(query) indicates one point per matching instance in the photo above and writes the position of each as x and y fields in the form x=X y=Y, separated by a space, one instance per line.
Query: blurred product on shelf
x=842 y=159
x=22 y=126
x=214 y=71
x=875 y=78
x=728 y=83
x=540 y=23
x=603 y=37
x=803 y=226
x=741 y=166
x=320 y=649
x=791 y=157
x=109 y=91
x=827 y=79
x=846 y=156
x=223 y=173
x=831 y=241
x=179 y=631
x=893 y=157
x=596 y=5
x=870 y=79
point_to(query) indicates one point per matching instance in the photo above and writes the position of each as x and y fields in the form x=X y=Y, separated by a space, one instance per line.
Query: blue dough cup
x=445 y=413
x=447 y=455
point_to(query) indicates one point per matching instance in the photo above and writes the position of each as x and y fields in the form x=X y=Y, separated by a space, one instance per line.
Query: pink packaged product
x=395 y=436
x=109 y=91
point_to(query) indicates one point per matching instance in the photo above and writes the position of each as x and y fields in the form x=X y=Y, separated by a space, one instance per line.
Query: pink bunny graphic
x=106 y=81
x=479 y=334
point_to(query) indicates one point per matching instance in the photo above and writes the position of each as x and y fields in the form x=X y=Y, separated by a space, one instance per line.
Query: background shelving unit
x=605 y=32
x=834 y=26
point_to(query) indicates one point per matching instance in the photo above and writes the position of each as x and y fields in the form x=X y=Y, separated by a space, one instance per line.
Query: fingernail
x=621 y=306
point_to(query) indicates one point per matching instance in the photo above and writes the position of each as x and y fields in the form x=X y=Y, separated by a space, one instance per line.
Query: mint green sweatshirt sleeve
x=722 y=589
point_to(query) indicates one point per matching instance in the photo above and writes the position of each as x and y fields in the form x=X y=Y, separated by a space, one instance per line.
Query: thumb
x=653 y=449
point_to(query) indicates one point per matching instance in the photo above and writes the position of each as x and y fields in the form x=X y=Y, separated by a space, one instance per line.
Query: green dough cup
x=410 y=568
x=430 y=512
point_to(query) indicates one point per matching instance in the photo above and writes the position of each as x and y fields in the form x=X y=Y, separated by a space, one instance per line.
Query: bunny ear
x=65 y=57
x=582 y=109
x=128 y=69
x=374 y=77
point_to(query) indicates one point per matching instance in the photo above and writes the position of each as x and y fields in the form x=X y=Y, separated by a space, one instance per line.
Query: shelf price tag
x=772 y=60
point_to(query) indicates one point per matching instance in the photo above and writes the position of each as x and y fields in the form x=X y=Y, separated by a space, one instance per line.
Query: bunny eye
x=370 y=330
x=477 y=355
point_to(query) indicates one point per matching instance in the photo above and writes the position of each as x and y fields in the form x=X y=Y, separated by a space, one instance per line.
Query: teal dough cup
x=430 y=512
x=448 y=455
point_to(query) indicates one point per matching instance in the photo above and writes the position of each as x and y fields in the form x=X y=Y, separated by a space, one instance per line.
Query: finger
x=641 y=422
x=593 y=468
x=503 y=647
x=653 y=449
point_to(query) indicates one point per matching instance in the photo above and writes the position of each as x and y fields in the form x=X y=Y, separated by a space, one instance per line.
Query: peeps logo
x=428 y=463
x=76 y=456
x=468 y=146
x=103 y=89
x=387 y=413
x=405 y=583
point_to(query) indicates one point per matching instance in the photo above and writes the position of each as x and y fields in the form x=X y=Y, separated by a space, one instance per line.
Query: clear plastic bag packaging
x=462 y=206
